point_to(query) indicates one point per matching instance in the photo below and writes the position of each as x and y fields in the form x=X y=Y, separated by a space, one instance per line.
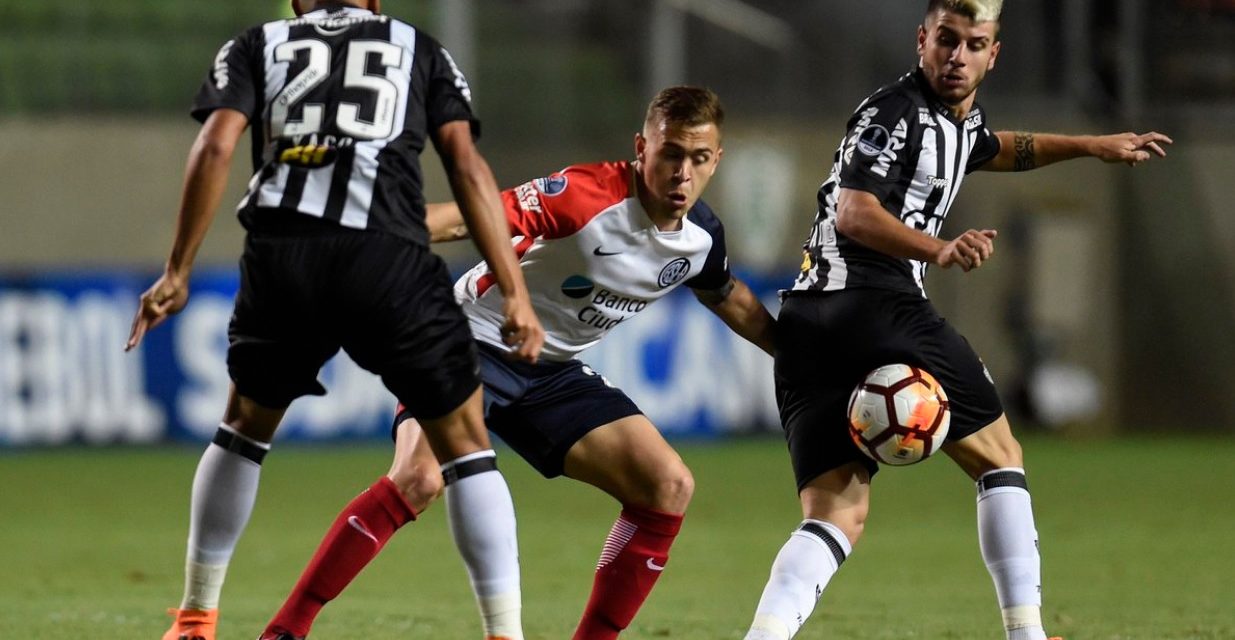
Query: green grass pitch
x=1137 y=536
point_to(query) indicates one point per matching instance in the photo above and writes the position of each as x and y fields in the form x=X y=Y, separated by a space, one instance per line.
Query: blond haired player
x=860 y=303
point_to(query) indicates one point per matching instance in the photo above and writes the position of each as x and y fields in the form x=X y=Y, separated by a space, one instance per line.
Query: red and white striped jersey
x=592 y=257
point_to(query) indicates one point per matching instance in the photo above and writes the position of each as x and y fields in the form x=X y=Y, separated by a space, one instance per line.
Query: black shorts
x=541 y=410
x=826 y=342
x=313 y=287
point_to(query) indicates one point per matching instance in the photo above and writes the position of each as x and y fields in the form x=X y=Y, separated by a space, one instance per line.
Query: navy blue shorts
x=826 y=342
x=541 y=410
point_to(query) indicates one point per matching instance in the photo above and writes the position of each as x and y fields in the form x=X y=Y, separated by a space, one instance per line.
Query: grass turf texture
x=1136 y=536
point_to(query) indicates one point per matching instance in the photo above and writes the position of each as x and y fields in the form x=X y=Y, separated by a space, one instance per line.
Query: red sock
x=635 y=553
x=360 y=531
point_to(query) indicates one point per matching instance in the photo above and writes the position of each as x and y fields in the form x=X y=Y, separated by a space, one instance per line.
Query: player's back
x=340 y=101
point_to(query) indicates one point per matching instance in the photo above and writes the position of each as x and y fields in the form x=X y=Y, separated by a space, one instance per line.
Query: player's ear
x=641 y=145
x=921 y=39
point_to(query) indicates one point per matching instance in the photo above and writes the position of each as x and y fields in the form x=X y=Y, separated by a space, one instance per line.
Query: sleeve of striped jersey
x=448 y=98
x=230 y=82
x=875 y=156
x=715 y=273
x=561 y=203
x=985 y=148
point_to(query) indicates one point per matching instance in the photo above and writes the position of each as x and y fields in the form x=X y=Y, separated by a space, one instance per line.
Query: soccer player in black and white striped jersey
x=860 y=303
x=341 y=101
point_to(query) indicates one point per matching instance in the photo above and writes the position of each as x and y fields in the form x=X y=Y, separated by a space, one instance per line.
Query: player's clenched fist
x=968 y=250
x=522 y=330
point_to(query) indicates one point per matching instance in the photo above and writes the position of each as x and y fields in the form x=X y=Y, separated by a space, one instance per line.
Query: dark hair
x=978 y=10
x=687 y=106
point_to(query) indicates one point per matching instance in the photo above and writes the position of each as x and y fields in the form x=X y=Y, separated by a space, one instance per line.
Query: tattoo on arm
x=1025 y=156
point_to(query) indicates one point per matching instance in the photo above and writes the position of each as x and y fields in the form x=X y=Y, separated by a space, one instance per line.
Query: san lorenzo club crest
x=673 y=272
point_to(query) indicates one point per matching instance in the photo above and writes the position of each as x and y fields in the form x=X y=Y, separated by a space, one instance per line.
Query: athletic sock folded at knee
x=482 y=521
x=803 y=568
x=1009 y=543
x=224 y=489
x=634 y=555
x=357 y=535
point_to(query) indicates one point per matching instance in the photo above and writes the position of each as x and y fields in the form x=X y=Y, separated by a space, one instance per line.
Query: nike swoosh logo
x=655 y=567
x=598 y=252
x=356 y=524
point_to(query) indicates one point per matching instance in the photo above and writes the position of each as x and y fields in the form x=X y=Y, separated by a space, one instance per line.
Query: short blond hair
x=976 y=10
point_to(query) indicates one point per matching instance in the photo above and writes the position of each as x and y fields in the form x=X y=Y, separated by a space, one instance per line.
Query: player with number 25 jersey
x=341 y=106
x=340 y=101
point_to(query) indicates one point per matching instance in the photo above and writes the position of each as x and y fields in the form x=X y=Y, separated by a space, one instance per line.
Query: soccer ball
x=899 y=415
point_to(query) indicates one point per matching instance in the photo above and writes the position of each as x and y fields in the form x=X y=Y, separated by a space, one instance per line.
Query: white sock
x=482 y=521
x=1009 y=543
x=805 y=564
x=224 y=489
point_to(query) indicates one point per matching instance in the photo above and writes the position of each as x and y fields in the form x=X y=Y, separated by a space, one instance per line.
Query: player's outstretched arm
x=1022 y=151
x=742 y=310
x=445 y=222
x=204 y=182
x=480 y=205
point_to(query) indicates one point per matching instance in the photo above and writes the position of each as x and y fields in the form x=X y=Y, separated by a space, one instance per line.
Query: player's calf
x=635 y=553
x=415 y=470
x=1009 y=542
x=801 y=571
x=482 y=522
x=359 y=532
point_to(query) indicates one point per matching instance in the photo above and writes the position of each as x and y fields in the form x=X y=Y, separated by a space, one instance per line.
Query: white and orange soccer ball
x=899 y=414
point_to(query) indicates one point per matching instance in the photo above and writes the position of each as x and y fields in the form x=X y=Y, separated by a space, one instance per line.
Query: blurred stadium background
x=1107 y=311
x=1112 y=293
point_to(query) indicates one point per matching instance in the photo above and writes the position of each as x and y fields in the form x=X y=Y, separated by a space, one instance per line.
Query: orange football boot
x=192 y=624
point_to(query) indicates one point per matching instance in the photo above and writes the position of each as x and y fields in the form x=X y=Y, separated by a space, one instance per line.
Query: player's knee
x=853 y=522
x=674 y=489
x=850 y=524
x=851 y=519
x=991 y=448
x=1002 y=454
x=419 y=484
x=253 y=429
x=1010 y=454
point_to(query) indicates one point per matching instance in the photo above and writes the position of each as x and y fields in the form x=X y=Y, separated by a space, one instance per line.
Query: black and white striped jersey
x=906 y=148
x=340 y=102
